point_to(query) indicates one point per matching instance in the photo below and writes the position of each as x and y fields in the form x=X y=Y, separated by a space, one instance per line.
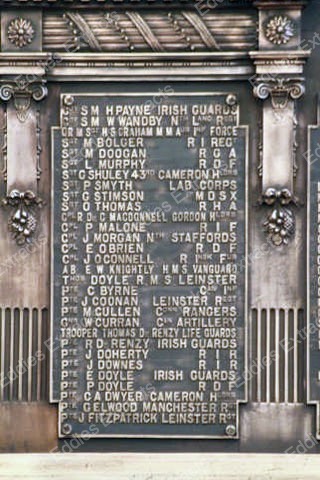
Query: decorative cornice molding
x=279 y=63
x=280 y=4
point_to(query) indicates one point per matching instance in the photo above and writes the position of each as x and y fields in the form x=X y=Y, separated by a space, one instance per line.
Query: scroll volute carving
x=280 y=90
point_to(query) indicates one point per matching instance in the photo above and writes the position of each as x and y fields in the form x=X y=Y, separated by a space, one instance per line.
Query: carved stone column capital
x=279 y=89
x=22 y=92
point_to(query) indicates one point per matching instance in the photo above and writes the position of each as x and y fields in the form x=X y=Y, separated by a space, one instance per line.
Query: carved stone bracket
x=22 y=93
x=22 y=222
x=278 y=152
x=22 y=157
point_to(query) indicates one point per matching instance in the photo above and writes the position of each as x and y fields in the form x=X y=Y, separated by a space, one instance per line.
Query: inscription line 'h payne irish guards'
x=149 y=281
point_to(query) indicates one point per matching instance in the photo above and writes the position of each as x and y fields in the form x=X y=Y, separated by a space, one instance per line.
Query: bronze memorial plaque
x=149 y=279
x=160 y=232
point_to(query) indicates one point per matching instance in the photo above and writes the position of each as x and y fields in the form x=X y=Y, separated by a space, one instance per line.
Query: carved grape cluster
x=280 y=225
x=22 y=222
x=280 y=222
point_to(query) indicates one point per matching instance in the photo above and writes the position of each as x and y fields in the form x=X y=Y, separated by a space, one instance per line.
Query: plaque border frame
x=316 y=403
x=246 y=246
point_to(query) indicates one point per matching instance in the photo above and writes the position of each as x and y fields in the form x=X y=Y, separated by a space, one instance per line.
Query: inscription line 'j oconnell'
x=149 y=278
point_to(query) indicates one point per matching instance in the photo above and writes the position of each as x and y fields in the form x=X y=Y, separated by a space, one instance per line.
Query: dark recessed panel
x=149 y=280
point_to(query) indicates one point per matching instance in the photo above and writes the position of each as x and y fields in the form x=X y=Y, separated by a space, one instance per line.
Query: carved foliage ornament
x=22 y=222
x=21 y=32
x=280 y=29
x=280 y=223
x=280 y=90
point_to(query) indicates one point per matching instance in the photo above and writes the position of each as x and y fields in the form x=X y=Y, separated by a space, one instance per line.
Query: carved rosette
x=280 y=29
x=22 y=222
x=280 y=90
x=22 y=93
x=21 y=32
